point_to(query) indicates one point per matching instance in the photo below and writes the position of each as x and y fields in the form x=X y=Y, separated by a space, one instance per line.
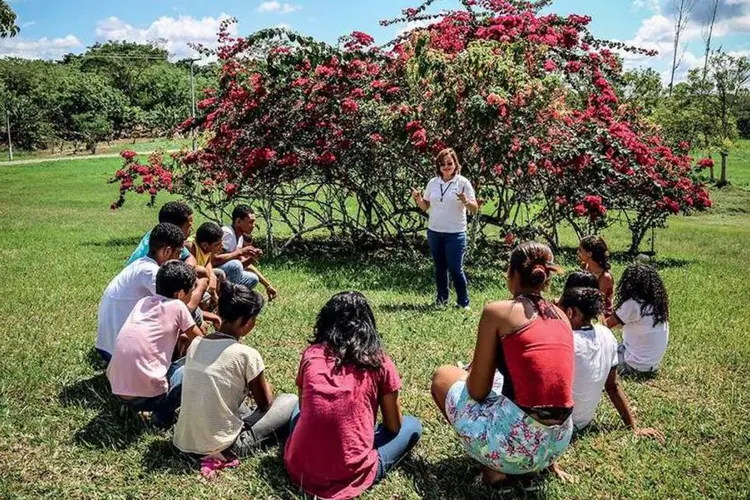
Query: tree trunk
x=723 y=178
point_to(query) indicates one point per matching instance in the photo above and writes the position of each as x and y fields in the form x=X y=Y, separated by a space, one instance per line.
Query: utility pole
x=10 y=142
x=192 y=97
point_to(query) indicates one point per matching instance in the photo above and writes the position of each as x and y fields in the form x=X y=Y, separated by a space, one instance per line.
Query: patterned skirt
x=501 y=436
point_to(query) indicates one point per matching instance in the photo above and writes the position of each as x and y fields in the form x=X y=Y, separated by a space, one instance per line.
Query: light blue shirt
x=142 y=250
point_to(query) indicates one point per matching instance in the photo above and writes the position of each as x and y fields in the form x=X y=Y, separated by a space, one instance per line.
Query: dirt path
x=34 y=161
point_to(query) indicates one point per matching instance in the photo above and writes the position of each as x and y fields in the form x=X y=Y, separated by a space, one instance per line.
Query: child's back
x=595 y=356
x=215 y=382
x=136 y=281
x=331 y=452
x=143 y=350
x=644 y=342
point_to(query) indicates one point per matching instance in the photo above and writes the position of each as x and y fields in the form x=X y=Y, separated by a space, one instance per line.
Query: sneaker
x=441 y=303
x=465 y=308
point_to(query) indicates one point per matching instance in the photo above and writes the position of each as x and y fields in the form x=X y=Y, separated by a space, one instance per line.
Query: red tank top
x=539 y=359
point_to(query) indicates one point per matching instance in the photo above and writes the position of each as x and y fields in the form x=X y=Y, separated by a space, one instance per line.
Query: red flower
x=549 y=65
x=579 y=210
x=288 y=160
x=706 y=163
x=375 y=137
x=230 y=190
x=326 y=159
x=128 y=155
x=205 y=103
x=495 y=100
x=349 y=105
x=259 y=158
x=510 y=238
x=413 y=125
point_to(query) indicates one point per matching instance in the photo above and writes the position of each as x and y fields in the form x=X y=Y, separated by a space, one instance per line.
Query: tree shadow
x=409 y=307
x=569 y=255
x=380 y=268
x=129 y=241
x=162 y=456
x=456 y=477
x=115 y=427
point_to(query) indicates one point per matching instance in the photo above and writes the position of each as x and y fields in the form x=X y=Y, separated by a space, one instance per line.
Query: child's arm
x=261 y=391
x=613 y=321
x=617 y=396
x=196 y=297
x=271 y=291
x=391 y=411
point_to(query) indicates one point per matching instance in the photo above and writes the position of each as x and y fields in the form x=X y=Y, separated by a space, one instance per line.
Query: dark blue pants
x=163 y=406
x=391 y=447
x=448 y=251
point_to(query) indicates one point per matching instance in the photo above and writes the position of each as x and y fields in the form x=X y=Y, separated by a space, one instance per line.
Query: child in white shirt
x=595 y=357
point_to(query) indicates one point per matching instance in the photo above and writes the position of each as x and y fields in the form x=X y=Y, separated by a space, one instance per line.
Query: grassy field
x=62 y=435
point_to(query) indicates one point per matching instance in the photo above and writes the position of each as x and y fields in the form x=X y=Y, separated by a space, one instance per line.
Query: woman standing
x=447 y=197
x=525 y=426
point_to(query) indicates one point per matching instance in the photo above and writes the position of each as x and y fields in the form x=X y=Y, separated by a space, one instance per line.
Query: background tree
x=682 y=10
x=8 y=27
x=729 y=76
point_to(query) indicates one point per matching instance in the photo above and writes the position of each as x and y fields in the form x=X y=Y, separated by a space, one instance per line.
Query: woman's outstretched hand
x=416 y=195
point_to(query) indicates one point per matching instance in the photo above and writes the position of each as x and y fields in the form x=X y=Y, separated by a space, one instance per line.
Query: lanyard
x=444 y=191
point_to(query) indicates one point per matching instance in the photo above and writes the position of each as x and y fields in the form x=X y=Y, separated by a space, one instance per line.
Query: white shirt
x=136 y=281
x=214 y=385
x=595 y=355
x=447 y=213
x=229 y=241
x=645 y=343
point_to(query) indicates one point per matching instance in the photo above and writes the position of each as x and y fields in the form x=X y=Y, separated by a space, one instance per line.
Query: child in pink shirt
x=141 y=371
x=335 y=450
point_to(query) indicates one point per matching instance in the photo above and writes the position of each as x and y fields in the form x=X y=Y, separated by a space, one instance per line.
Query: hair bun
x=538 y=274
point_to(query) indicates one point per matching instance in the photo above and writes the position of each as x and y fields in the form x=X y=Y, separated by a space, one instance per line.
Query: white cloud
x=26 y=25
x=41 y=48
x=173 y=34
x=652 y=5
x=414 y=25
x=275 y=6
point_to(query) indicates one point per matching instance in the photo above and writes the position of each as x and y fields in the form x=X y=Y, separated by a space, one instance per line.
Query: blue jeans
x=163 y=406
x=107 y=357
x=236 y=273
x=391 y=448
x=448 y=250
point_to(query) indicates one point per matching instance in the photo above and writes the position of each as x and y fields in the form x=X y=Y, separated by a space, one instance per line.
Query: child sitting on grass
x=207 y=243
x=642 y=308
x=335 y=450
x=141 y=371
x=595 y=357
x=220 y=372
x=136 y=281
x=594 y=256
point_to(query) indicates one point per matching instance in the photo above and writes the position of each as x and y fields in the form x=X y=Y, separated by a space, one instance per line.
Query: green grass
x=61 y=434
x=738 y=172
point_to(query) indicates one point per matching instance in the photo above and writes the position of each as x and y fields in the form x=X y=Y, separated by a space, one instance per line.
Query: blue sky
x=51 y=28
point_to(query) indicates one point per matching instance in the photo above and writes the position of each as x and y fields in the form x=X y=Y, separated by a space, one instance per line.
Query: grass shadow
x=93 y=393
x=94 y=360
x=161 y=455
x=456 y=477
x=569 y=255
x=271 y=470
x=115 y=427
x=380 y=268
x=129 y=241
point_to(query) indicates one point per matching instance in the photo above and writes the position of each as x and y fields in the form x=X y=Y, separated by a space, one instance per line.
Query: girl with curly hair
x=642 y=308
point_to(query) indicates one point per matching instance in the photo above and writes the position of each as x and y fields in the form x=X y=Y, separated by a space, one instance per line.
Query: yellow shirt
x=201 y=259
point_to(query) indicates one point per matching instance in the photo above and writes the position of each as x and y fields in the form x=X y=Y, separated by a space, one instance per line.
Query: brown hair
x=534 y=263
x=442 y=154
x=599 y=251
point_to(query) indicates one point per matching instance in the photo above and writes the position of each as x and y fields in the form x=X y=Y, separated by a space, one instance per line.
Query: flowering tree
x=333 y=138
